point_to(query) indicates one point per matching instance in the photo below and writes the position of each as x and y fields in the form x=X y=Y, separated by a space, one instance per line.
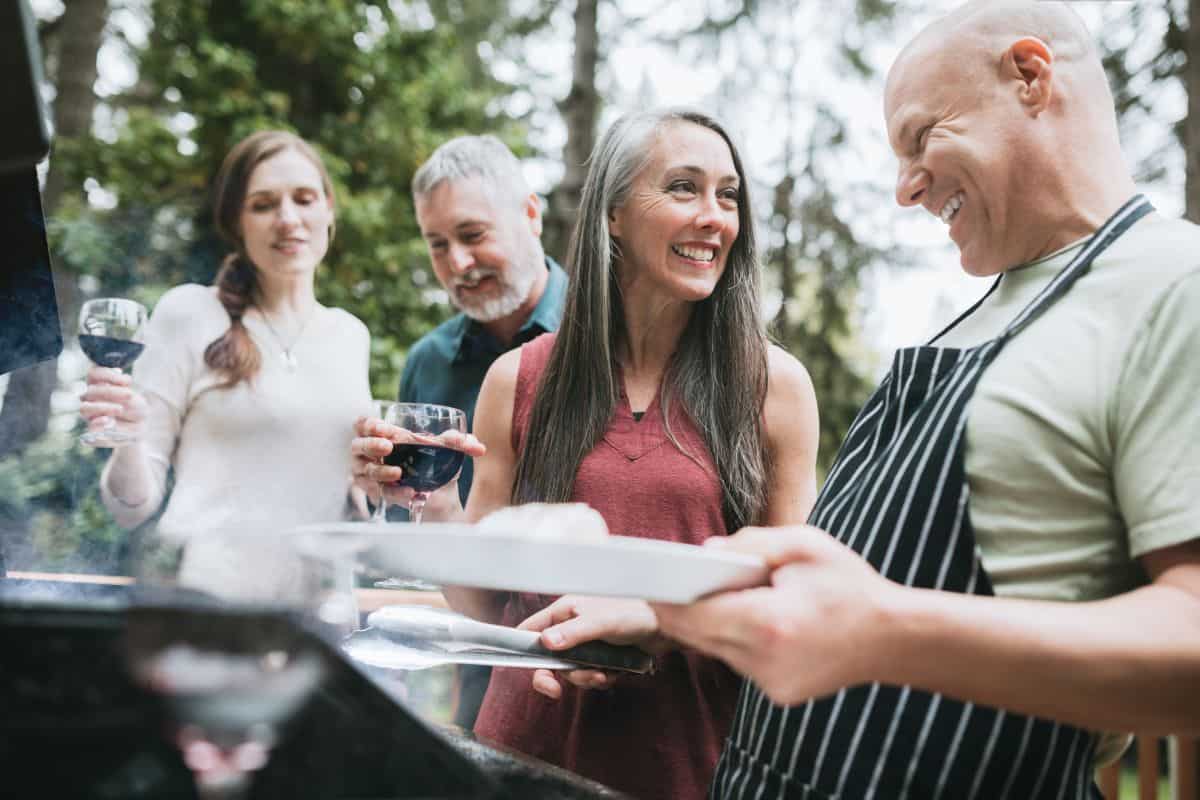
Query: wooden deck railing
x=1183 y=771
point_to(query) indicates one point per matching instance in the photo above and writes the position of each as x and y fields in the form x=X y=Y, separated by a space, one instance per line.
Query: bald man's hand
x=818 y=627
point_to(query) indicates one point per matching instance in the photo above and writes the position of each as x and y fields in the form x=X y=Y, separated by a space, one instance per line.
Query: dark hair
x=718 y=371
x=234 y=353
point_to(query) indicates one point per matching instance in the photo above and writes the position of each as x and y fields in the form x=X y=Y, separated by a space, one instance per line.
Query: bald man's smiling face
x=959 y=132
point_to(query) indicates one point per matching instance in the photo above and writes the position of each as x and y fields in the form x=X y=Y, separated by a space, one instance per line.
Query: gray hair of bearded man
x=483 y=157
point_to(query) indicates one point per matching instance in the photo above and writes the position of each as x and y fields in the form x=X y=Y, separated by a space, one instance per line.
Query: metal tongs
x=416 y=637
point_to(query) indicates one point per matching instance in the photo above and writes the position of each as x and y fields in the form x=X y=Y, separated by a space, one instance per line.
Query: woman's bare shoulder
x=502 y=374
x=787 y=377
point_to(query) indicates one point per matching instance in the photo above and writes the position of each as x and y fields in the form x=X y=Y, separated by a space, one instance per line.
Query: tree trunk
x=1191 y=129
x=26 y=410
x=580 y=110
x=783 y=258
x=79 y=43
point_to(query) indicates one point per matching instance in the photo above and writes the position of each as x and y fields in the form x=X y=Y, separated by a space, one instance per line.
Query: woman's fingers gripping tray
x=573 y=620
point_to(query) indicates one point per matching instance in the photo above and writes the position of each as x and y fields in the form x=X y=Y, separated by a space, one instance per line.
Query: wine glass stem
x=380 y=513
x=416 y=506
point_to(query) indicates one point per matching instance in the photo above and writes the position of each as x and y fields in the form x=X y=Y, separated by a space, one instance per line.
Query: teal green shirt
x=447 y=365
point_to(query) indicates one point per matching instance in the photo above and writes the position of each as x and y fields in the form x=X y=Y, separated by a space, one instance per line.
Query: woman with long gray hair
x=662 y=405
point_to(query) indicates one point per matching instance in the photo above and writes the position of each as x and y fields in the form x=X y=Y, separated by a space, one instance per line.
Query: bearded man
x=483 y=228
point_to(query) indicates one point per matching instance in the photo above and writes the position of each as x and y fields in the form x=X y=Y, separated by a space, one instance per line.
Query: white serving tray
x=461 y=555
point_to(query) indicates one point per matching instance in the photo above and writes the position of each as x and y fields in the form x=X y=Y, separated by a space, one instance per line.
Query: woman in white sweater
x=248 y=389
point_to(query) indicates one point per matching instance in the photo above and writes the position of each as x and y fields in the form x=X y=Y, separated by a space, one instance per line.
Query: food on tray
x=547 y=521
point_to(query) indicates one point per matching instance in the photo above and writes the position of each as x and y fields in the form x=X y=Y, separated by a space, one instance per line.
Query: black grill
x=73 y=725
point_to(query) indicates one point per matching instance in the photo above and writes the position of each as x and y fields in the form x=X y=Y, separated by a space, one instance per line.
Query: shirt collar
x=475 y=343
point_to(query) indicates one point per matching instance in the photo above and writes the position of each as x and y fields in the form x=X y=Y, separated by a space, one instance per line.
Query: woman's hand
x=111 y=403
x=572 y=620
x=374 y=440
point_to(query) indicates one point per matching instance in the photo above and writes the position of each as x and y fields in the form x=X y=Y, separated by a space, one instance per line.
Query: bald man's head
x=976 y=34
x=1003 y=122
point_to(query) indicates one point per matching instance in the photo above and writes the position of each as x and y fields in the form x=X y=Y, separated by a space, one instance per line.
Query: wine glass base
x=107 y=439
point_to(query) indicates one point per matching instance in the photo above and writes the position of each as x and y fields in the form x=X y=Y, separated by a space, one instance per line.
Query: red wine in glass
x=110 y=334
x=110 y=352
x=428 y=465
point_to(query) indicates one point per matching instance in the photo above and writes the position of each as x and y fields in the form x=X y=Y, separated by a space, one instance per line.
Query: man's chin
x=978 y=266
x=490 y=311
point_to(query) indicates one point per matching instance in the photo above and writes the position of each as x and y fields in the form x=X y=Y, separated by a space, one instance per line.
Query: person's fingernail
x=555 y=637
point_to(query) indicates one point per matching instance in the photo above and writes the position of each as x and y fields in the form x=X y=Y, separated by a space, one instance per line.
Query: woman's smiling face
x=286 y=215
x=680 y=219
x=968 y=154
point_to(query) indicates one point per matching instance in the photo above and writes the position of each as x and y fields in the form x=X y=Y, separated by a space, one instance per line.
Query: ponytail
x=234 y=353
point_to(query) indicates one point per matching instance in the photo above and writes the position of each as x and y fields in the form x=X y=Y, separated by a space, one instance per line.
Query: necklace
x=290 y=363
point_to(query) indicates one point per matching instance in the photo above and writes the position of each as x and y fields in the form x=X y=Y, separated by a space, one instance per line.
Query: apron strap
x=1134 y=209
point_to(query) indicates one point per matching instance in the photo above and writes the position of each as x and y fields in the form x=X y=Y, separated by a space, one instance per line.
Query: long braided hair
x=234 y=354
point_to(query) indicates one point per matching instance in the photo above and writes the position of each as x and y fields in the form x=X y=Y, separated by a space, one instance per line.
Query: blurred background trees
x=148 y=95
x=1153 y=63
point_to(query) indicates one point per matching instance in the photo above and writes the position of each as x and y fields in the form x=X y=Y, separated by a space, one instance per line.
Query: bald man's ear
x=1030 y=61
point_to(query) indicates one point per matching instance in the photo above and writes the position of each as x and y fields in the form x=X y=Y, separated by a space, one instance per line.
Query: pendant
x=289 y=361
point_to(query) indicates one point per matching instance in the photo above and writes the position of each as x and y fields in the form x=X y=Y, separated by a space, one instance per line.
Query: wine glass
x=428 y=465
x=111 y=330
x=231 y=652
x=379 y=514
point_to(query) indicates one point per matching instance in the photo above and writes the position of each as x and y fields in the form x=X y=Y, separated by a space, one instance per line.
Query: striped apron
x=897 y=494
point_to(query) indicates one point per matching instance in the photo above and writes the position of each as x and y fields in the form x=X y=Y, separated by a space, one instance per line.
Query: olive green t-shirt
x=1081 y=436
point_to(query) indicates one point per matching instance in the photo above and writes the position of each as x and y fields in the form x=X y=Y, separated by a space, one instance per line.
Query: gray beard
x=513 y=294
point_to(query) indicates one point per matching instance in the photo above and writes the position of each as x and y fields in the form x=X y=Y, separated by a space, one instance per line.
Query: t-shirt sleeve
x=1157 y=417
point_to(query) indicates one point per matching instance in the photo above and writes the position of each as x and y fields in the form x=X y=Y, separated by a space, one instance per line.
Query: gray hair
x=484 y=157
x=718 y=373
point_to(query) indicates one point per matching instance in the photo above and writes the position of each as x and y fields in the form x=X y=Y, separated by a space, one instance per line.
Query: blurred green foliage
x=373 y=94
x=49 y=491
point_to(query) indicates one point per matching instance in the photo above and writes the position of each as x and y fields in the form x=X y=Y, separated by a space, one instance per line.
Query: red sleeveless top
x=656 y=737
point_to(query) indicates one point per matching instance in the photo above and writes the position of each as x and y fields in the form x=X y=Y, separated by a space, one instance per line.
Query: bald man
x=1004 y=558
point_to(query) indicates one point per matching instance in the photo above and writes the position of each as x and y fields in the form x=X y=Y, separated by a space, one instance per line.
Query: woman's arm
x=792 y=432
x=149 y=405
x=127 y=483
x=494 y=475
x=495 y=466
